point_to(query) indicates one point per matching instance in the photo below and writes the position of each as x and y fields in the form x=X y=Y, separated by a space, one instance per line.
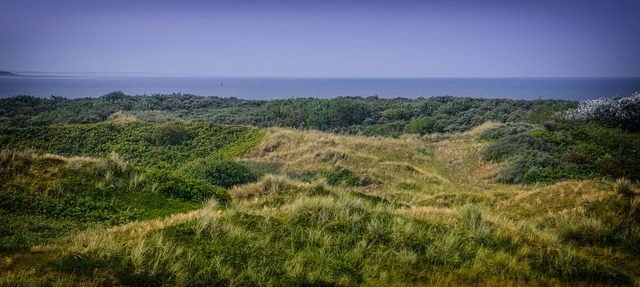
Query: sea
x=262 y=88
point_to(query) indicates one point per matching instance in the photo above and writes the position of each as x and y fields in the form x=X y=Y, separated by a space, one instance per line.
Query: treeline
x=348 y=115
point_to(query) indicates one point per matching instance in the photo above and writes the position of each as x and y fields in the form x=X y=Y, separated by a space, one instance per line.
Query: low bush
x=510 y=146
x=223 y=173
x=560 y=151
x=424 y=126
x=531 y=167
x=341 y=175
x=510 y=129
x=192 y=190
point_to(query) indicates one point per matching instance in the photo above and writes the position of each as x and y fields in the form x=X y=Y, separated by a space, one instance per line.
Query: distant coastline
x=8 y=74
x=40 y=84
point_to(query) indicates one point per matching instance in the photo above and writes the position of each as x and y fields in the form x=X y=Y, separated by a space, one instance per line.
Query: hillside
x=345 y=210
x=126 y=202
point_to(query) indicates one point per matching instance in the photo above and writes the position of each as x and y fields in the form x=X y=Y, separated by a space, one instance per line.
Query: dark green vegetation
x=348 y=115
x=225 y=173
x=597 y=139
x=152 y=191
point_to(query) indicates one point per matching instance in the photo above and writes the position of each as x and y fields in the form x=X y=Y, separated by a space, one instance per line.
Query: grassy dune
x=349 y=210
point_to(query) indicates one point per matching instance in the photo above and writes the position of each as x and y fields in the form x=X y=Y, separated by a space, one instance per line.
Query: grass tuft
x=624 y=188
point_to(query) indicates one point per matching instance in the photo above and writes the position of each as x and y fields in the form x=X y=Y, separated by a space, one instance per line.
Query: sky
x=327 y=38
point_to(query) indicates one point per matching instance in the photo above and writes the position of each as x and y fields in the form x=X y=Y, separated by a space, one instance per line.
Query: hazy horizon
x=328 y=39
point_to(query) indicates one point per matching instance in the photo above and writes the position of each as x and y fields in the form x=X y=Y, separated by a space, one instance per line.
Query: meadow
x=224 y=192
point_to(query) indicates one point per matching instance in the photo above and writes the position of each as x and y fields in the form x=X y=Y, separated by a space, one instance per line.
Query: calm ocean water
x=282 y=88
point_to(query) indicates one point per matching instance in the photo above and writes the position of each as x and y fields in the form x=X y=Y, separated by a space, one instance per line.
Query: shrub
x=424 y=126
x=171 y=133
x=345 y=176
x=531 y=167
x=506 y=130
x=186 y=189
x=509 y=146
x=396 y=114
x=224 y=173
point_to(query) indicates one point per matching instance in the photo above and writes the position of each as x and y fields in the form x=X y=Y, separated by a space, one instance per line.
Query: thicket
x=349 y=115
x=225 y=173
x=599 y=138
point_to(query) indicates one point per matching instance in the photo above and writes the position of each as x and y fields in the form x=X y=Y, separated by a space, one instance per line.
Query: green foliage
x=510 y=146
x=456 y=106
x=395 y=114
x=350 y=115
x=424 y=126
x=532 y=166
x=171 y=133
x=224 y=173
x=509 y=129
x=186 y=189
x=341 y=175
x=547 y=113
x=558 y=152
x=167 y=145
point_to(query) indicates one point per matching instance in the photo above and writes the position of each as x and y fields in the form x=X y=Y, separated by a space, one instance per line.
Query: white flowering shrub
x=619 y=112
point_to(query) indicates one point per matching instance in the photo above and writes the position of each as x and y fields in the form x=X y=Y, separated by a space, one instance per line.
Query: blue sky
x=493 y=38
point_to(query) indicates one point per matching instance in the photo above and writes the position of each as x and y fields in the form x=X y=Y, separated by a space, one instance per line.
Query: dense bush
x=509 y=146
x=558 y=152
x=509 y=129
x=170 y=133
x=224 y=173
x=187 y=189
x=349 y=115
x=532 y=166
x=341 y=175
x=424 y=126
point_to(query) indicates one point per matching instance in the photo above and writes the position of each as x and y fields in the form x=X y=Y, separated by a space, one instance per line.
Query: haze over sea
x=80 y=86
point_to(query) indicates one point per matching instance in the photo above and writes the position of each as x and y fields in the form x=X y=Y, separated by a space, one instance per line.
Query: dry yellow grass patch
x=121 y=117
x=430 y=214
x=272 y=185
x=388 y=161
x=409 y=169
x=555 y=199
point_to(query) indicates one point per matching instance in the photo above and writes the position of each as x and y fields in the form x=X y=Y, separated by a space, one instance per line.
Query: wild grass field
x=289 y=207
